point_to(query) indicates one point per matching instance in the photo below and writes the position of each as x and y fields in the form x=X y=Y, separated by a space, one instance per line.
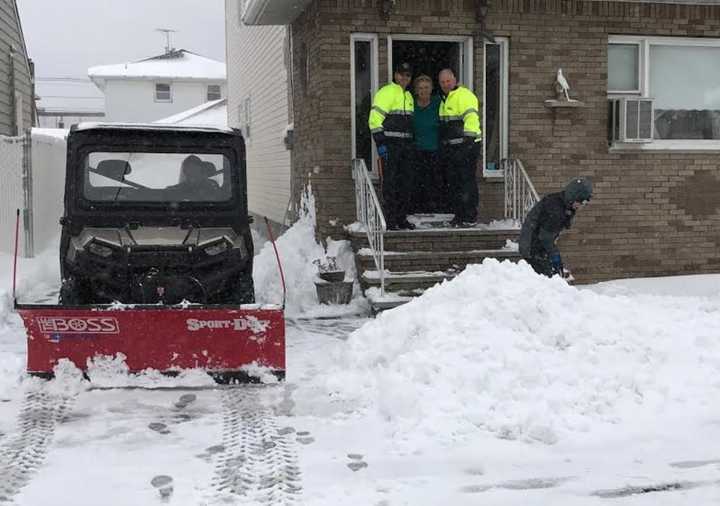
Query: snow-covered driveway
x=272 y=445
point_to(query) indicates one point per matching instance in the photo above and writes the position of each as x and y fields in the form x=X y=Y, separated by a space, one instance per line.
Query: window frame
x=170 y=92
x=645 y=43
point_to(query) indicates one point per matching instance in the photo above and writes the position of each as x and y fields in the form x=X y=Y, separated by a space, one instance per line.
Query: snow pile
x=525 y=357
x=298 y=248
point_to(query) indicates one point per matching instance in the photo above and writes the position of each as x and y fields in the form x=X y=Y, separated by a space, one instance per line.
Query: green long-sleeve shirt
x=426 y=122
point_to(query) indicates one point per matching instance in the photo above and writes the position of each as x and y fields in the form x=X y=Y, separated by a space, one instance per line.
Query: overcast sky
x=66 y=37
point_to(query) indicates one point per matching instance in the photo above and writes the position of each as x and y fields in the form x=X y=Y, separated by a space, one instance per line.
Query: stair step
x=390 y=300
x=407 y=280
x=396 y=261
x=449 y=239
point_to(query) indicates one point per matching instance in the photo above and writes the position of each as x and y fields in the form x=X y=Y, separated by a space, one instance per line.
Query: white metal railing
x=370 y=215
x=520 y=194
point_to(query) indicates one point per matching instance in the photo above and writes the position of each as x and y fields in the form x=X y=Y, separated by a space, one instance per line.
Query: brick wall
x=653 y=213
x=650 y=215
x=323 y=147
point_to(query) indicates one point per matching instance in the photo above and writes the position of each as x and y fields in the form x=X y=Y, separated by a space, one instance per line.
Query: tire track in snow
x=258 y=463
x=22 y=452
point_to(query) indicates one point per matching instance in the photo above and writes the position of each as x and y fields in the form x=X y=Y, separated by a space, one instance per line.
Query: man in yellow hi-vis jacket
x=461 y=142
x=391 y=126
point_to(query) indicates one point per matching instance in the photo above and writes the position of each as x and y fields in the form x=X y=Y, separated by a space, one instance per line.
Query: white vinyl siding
x=11 y=35
x=257 y=78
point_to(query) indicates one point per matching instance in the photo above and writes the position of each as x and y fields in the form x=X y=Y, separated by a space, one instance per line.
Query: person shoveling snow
x=546 y=221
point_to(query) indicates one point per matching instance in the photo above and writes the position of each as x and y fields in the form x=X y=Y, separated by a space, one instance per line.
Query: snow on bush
x=525 y=357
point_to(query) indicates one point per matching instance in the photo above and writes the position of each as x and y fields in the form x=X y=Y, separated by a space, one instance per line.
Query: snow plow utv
x=156 y=258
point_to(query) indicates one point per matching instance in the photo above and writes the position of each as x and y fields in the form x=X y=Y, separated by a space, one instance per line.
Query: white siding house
x=258 y=104
x=157 y=87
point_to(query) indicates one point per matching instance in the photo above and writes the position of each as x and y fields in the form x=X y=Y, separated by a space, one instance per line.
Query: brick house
x=645 y=125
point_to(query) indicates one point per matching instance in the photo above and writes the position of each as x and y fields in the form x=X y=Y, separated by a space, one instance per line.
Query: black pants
x=460 y=163
x=430 y=193
x=541 y=265
x=397 y=182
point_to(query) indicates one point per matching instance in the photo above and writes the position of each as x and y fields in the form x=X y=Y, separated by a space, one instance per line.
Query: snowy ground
x=499 y=387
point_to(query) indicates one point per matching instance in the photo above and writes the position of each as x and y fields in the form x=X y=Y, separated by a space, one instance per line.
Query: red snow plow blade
x=221 y=340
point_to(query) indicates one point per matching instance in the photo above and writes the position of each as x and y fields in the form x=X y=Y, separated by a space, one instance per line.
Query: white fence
x=12 y=193
x=48 y=155
x=32 y=179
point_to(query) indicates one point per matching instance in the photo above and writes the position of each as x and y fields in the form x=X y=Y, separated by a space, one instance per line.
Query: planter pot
x=339 y=292
x=332 y=276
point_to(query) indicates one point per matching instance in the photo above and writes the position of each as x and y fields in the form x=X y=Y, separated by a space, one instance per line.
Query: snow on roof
x=177 y=64
x=212 y=113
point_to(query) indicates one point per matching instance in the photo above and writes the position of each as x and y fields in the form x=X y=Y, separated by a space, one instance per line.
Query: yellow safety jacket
x=391 y=114
x=459 y=117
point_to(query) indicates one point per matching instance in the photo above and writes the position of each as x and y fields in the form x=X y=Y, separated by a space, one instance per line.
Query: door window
x=364 y=86
x=495 y=106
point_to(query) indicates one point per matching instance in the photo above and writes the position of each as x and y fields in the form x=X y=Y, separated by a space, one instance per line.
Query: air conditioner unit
x=630 y=119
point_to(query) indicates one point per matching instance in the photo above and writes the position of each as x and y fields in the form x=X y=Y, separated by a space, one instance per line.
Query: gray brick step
x=392 y=299
x=413 y=280
x=439 y=239
x=431 y=261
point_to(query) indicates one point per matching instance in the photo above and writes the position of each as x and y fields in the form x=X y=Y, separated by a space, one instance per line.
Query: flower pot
x=339 y=292
x=332 y=276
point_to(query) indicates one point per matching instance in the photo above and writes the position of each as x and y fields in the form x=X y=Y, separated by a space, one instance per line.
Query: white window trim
x=678 y=145
x=374 y=83
x=466 y=56
x=155 y=97
x=504 y=43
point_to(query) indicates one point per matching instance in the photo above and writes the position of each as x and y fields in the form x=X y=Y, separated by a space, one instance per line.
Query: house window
x=213 y=92
x=624 y=68
x=664 y=91
x=163 y=92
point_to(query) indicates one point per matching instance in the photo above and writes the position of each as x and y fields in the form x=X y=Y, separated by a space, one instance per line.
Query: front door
x=429 y=54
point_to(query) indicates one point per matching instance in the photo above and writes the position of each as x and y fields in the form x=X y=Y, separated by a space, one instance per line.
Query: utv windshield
x=157 y=177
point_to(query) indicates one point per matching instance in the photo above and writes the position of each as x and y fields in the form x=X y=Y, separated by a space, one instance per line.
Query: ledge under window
x=495 y=174
x=689 y=145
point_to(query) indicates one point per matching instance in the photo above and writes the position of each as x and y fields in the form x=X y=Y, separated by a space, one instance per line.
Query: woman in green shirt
x=430 y=181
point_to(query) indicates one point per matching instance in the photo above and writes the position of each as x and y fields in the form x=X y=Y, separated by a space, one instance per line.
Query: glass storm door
x=495 y=106
x=364 y=84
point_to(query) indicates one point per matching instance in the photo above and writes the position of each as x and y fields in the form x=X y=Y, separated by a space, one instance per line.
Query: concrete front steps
x=418 y=259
